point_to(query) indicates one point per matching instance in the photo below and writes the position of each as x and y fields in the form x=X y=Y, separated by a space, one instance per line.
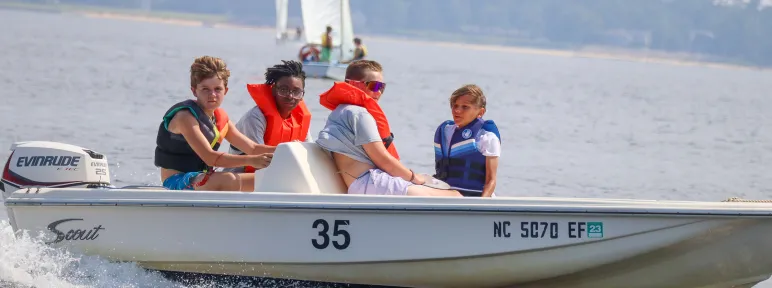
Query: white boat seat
x=300 y=167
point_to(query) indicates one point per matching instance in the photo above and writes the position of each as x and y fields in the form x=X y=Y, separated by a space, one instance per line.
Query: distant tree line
x=740 y=31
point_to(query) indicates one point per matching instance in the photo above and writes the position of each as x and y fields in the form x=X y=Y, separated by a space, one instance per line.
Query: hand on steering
x=261 y=161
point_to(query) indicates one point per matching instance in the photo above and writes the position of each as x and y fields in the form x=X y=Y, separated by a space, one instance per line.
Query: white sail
x=347 y=29
x=282 y=11
x=318 y=14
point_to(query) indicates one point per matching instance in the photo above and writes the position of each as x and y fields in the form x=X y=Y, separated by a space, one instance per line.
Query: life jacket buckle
x=387 y=141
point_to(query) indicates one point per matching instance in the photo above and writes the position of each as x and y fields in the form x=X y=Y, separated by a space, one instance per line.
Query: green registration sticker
x=594 y=229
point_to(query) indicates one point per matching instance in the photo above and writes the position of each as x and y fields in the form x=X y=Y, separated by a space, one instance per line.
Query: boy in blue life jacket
x=467 y=149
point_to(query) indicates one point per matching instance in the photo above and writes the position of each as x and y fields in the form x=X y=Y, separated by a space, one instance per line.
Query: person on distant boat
x=309 y=53
x=326 y=45
x=279 y=115
x=360 y=51
x=467 y=149
x=191 y=132
x=298 y=33
x=359 y=138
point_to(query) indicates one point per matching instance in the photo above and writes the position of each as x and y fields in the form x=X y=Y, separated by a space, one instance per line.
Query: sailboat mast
x=342 y=31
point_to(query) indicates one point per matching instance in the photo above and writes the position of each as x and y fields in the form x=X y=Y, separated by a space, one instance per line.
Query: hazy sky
x=762 y=4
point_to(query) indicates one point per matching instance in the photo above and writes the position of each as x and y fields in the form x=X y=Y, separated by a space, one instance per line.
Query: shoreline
x=118 y=16
x=592 y=52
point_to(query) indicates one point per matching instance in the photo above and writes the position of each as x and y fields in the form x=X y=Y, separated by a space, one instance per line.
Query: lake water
x=570 y=126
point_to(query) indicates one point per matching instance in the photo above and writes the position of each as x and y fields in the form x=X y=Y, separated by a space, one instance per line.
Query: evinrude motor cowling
x=55 y=165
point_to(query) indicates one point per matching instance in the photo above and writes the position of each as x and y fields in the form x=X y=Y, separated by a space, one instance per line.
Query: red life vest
x=344 y=93
x=277 y=129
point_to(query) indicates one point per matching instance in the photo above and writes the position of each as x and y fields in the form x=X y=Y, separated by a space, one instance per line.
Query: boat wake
x=25 y=261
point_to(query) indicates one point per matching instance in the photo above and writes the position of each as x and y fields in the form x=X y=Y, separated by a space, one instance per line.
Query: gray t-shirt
x=348 y=128
x=252 y=125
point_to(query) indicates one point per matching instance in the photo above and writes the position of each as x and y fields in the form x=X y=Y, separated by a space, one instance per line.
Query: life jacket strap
x=387 y=141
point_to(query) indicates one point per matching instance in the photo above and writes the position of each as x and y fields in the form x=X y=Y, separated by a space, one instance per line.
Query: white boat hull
x=306 y=227
x=410 y=241
x=332 y=71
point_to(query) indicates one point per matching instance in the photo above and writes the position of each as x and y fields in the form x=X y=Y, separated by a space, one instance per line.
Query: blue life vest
x=462 y=165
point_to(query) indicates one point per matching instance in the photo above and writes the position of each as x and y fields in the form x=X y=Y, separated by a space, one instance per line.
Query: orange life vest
x=221 y=118
x=344 y=93
x=277 y=129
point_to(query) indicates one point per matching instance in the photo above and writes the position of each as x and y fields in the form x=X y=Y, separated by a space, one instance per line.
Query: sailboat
x=282 y=7
x=282 y=16
x=317 y=15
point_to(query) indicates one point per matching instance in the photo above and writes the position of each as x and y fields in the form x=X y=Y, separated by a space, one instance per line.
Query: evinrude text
x=60 y=161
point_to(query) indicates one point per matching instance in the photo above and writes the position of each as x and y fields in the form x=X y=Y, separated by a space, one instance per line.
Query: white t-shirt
x=487 y=142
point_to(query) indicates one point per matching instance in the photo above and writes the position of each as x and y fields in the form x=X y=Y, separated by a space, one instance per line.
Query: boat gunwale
x=290 y=201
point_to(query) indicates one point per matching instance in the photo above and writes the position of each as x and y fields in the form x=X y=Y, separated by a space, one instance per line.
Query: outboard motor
x=55 y=165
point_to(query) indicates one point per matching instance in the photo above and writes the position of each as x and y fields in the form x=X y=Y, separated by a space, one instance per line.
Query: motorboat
x=299 y=223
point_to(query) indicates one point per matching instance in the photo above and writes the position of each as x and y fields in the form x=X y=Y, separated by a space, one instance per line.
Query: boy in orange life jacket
x=280 y=115
x=191 y=132
x=360 y=141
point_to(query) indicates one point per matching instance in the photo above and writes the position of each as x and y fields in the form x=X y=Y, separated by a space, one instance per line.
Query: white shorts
x=378 y=182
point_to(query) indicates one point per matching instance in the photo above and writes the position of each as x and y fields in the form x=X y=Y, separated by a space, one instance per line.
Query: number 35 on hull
x=337 y=234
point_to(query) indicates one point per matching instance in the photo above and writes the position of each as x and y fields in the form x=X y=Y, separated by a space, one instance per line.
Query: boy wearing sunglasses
x=279 y=115
x=359 y=138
